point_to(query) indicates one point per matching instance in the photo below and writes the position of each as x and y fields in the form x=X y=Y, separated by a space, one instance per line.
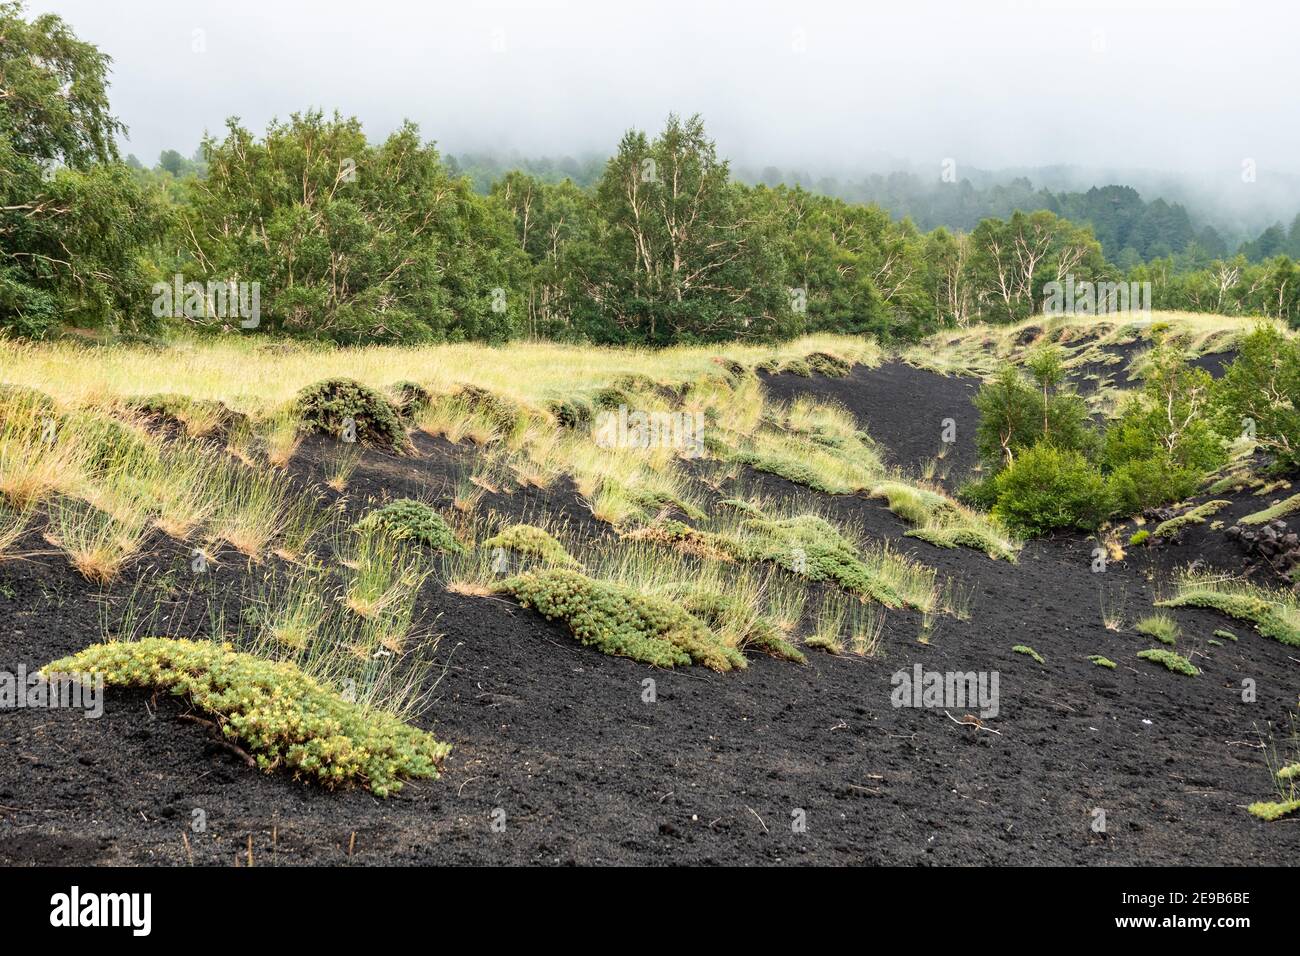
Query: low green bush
x=501 y=411
x=1286 y=506
x=1274 y=616
x=810 y=546
x=409 y=520
x=574 y=412
x=1269 y=811
x=280 y=715
x=621 y=621
x=1029 y=652
x=721 y=611
x=327 y=406
x=1171 y=661
x=1046 y=489
x=409 y=399
x=832 y=366
x=1100 y=661
x=532 y=541
x=1197 y=515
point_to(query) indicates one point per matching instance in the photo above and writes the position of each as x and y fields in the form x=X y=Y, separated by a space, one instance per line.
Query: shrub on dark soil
x=618 y=620
x=282 y=716
x=327 y=406
x=410 y=520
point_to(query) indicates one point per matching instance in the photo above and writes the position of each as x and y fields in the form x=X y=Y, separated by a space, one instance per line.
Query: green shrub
x=1162 y=445
x=721 y=611
x=1226 y=635
x=610 y=398
x=1139 y=537
x=1274 y=615
x=982 y=537
x=832 y=366
x=409 y=520
x=574 y=412
x=1017 y=414
x=980 y=493
x=1160 y=626
x=188 y=411
x=789 y=469
x=1047 y=488
x=798 y=367
x=1262 y=387
x=1029 y=652
x=812 y=547
x=1100 y=661
x=1196 y=515
x=533 y=541
x=501 y=411
x=409 y=399
x=661 y=500
x=621 y=621
x=326 y=406
x=1283 y=508
x=1174 y=662
x=278 y=713
x=1273 y=810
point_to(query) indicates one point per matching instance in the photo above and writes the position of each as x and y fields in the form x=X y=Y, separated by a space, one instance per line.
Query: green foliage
x=788 y=468
x=1139 y=537
x=1269 y=811
x=1226 y=635
x=74 y=223
x=832 y=366
x=965 y=536
x=997 y=262
x=810 y=546
x=1160 y=626
x=1016 y=414
x=1171 y=661
x=573 y=412
x=722 y=612
x=621 y=621
x=409 y=520
x=282 y=716
x=533 y=541
x=1100 y=661
x=499 y=410
x=1029 y=652
x=1274 y=616
x=1162 y=446
x=423 y=253
x=1260 y=392
x=675 y=256
x=1196 y=515
x=1047 y=488
x=326 y=406
x=409 y=399
x=1286 y=506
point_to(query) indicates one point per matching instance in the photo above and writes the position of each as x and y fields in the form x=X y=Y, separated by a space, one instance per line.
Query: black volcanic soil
x=553 y=742
x=905 y=410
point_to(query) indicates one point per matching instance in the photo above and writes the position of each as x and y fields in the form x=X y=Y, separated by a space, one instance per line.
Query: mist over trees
x=354 y=241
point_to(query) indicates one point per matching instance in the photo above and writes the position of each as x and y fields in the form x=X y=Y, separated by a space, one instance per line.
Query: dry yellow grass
x=234 y=371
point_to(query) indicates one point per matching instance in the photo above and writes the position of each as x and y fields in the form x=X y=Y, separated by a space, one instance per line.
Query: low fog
x=1127 y=91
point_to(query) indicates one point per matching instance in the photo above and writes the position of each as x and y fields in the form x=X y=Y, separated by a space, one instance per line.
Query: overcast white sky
x=1163 y=84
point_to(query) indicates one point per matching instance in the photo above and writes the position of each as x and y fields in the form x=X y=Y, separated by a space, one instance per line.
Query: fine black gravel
x=559 y=758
